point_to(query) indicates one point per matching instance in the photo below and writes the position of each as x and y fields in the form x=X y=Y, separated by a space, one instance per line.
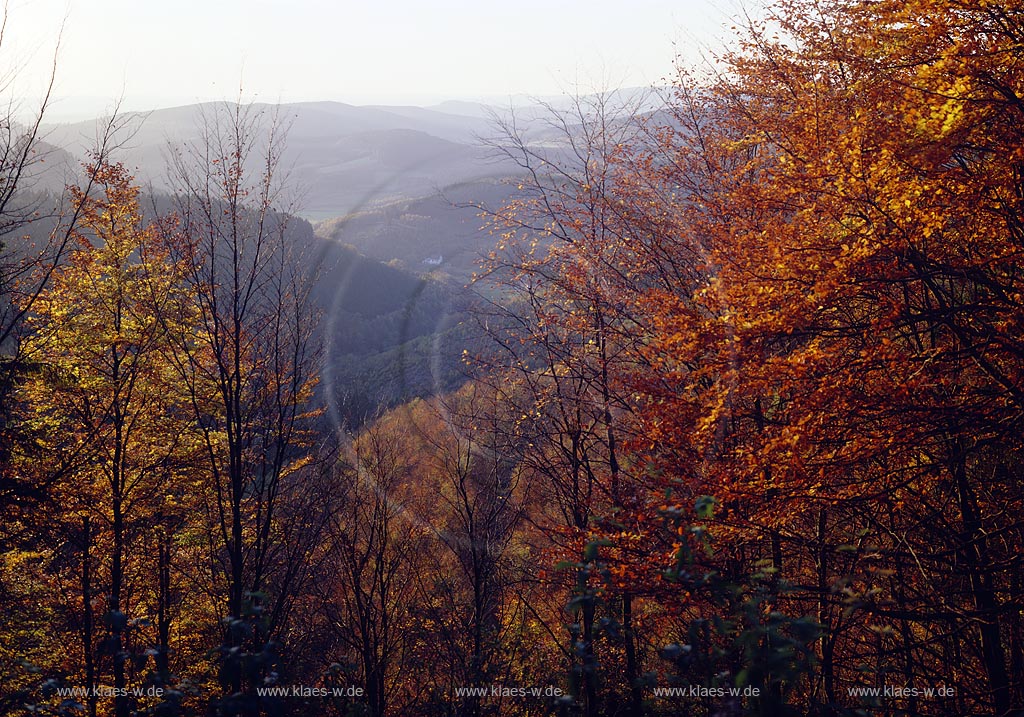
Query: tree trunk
x=90 y=665
x=975 y=552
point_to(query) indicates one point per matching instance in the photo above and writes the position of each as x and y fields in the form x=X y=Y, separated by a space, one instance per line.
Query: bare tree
x=249 y=369
x=470 y=592
x=563 y=259
x=374 y=548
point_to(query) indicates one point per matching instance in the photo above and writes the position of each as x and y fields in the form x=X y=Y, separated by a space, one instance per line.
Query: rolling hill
x=340 y=158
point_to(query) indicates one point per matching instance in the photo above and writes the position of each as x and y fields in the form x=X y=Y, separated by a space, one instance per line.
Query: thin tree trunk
x=163 y=620
x=975 y=552
x=90 y=665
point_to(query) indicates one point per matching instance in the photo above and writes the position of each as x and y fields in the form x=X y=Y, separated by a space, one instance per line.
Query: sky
x=160 y=54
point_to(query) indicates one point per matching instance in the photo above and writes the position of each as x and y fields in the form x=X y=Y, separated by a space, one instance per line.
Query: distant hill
x=345 y=158
x=469 y=109
x=341 y=158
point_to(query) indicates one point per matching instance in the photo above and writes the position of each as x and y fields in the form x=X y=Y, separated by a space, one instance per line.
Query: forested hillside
x=443 y=234
x=727 y=420
x=389 y=335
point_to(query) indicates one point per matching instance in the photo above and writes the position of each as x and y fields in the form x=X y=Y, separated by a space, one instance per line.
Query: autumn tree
x=37 y=221
x=812 y=270
x=103 y=405
x=867 y=275
x=37 y=224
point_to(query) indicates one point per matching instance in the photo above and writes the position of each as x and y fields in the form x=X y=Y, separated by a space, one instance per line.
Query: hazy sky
x=180 y=51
